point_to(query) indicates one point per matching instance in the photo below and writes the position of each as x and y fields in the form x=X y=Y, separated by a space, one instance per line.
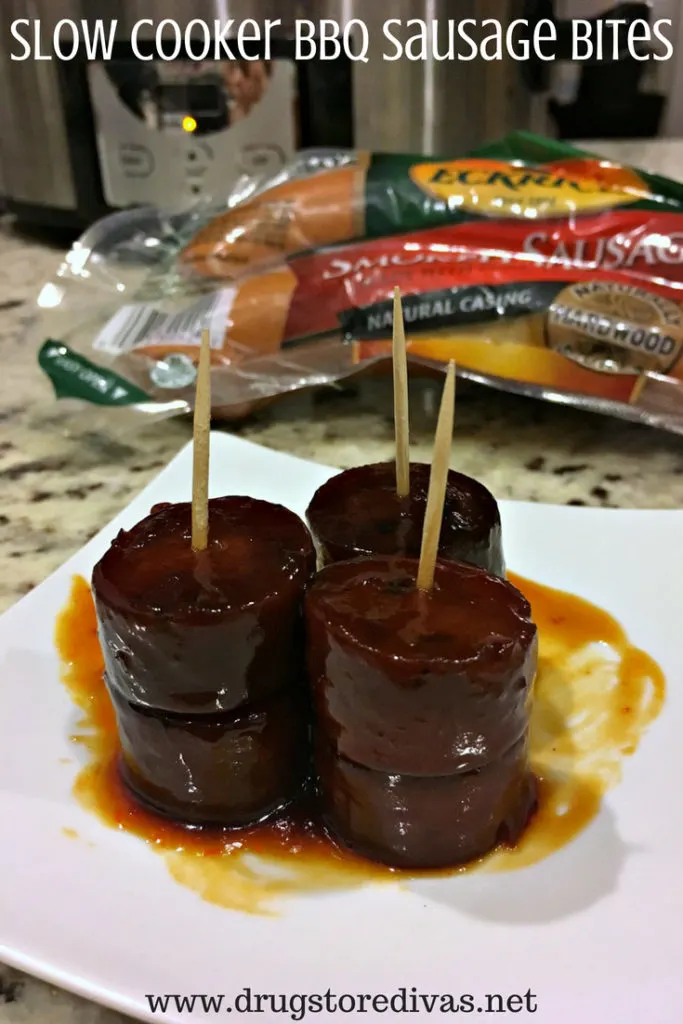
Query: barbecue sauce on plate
x=586 y=664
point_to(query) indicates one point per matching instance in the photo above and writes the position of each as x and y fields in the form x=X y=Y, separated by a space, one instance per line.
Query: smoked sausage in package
x=539 y=268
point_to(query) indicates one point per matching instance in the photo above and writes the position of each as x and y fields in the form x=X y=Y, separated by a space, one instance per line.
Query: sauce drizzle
x=595 y=696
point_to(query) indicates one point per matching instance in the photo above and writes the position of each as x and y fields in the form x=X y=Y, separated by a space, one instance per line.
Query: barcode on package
x=141 y=325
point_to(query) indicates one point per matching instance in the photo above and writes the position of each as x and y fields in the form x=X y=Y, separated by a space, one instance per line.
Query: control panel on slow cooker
x=199 y=107
x=169 y=132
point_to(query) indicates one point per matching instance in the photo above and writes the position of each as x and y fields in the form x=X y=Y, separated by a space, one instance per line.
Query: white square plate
x=596 y=935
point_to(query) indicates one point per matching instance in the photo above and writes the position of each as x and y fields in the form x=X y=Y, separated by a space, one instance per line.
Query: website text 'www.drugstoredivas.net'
x=299 y=1006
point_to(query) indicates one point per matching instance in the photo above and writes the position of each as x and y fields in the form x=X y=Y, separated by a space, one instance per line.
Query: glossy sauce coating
x=577 y=758
x=423 y=684
x=427 y=822
x=357 y=512
x=422 y=709
x=232 y=769
x=205 y=632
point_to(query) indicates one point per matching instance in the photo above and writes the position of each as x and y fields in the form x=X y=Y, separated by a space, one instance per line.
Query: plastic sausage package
x=539 y=268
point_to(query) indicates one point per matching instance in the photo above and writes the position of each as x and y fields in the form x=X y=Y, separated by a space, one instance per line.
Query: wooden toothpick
x=200 y=448
x=401 y=417
x=437 y=484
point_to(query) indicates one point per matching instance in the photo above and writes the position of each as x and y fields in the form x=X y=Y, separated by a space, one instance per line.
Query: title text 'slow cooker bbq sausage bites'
x=358 y=512
x=209 y=632
x=204 y=659
x=422 y=705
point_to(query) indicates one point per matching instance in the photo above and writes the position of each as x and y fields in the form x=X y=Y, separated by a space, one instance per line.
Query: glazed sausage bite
x=423 y=822
x=358 y=513
x=206 y=632
x=424 y=698
x=205 y=661
x=228 y=769
x=426 y=684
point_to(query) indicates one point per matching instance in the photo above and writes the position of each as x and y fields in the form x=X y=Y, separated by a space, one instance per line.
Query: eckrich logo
x=499 y=189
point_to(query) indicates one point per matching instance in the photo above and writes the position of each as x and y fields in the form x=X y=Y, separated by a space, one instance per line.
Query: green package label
x=74 y=376
x=520 y=176
x=537 y=149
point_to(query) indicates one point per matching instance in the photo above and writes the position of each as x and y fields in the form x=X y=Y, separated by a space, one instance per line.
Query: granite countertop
x=60 y=487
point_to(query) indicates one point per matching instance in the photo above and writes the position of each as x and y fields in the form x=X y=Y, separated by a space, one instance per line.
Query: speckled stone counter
x=58 y=486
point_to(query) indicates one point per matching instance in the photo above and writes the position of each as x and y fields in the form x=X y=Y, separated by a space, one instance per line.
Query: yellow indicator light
x=189 y=123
